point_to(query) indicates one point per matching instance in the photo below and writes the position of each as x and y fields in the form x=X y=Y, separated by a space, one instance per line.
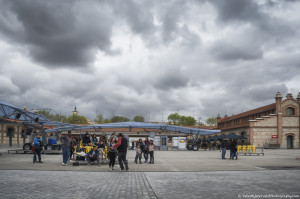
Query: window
x=289 y=111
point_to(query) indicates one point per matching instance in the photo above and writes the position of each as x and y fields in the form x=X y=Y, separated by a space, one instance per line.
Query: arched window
x=289 y=111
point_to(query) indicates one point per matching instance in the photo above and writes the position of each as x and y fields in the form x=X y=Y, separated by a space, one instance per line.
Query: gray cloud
x=149 y=58
x=58 y=33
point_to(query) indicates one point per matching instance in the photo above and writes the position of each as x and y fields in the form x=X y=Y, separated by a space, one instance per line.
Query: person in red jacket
x=122 y=146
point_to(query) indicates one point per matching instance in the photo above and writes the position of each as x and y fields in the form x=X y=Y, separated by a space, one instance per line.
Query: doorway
x=10 y=135
x=290 y=142
x=163 y=142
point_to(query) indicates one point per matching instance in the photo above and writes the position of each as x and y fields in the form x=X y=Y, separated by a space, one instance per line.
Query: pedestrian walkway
x=148 y=185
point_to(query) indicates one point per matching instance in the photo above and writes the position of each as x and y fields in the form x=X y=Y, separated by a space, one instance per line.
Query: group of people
x=117 y=147
x=146 y=148
x=232 y=146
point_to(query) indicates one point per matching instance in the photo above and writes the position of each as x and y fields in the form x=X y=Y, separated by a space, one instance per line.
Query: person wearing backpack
x=37 y=148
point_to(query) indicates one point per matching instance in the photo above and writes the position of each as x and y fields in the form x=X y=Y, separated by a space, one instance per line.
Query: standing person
x=214 y=145
x=70 y=142
x=233 y=149
x=93 y=154
x=122 y=151
x=94 y=139
x=146 y=149
x=151 y=151
x=101 y=147
x=140 y=143
x=66 y=149
x=73 y=144
x=37 y=148
x=223 y=147
x=132 y=145
x=138 y=154
x=209 y=145
x=112 y=153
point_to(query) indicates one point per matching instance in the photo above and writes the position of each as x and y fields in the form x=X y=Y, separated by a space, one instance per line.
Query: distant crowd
x=114 y=148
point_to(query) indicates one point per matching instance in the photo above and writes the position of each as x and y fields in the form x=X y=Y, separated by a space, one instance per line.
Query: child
x=112 y=154
x=151 y=151
x=101 y=148
x=138 y=154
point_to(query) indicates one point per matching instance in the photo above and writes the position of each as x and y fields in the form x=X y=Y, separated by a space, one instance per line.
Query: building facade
x=273 y=126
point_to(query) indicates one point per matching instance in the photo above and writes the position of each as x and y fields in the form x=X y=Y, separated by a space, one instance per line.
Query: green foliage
x=211 y=121
x=99 y=119
x=56 y=117
x=107 y=121
x=174 y=118
x=187 y=121
x=45 y=113
x=77 y=119
x=119 y=119
x=139 y=118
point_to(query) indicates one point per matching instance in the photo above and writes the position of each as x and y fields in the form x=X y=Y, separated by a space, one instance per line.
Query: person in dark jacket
x=73 y=145
x=223 y=147
x=233 y=149
x=65 y=145
x=37 y=148
x=141 y=144
x=146 y=149
x=122 y=151
x=93 y=155
x=112 y=153
x=86 y=140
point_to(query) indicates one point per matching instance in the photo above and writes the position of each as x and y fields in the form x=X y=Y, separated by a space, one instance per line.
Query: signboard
x=274 y=136
x=182 y=143
x=175 y=141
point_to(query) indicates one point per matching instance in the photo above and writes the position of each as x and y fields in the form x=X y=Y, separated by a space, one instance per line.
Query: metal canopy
x=8 y=111
x=131 y=125
x=11 y=112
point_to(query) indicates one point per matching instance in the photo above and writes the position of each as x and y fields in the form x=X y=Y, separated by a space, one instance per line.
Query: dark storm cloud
x=175 y=56
x=137 y=15
x=171 y=80
x=233 y=51
x=56 y=32
x=248 y=11
x=236 y=10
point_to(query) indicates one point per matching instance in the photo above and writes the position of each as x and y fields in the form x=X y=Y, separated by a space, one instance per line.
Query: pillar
x=278 y=99
x=18 y=134
x=251 y=132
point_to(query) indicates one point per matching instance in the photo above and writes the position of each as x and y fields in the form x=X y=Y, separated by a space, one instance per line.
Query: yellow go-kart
x=81 y=151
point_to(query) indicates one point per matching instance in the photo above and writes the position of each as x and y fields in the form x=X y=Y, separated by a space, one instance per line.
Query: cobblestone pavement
x=139 y=185
x=66 y=184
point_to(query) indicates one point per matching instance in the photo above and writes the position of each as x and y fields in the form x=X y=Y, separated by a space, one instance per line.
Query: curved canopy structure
x=140 y=125
x=11 y=112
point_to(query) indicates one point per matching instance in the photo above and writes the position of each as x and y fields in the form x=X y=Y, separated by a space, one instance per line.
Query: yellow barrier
x=244 y=149
x=248 y=148
x=253 y=149
x=239 y=148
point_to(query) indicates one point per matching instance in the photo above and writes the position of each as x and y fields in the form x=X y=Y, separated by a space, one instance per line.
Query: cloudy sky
x=150 y=58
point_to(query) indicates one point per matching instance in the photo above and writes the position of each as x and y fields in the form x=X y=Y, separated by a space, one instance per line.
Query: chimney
x=219 y=117
x=278 y=99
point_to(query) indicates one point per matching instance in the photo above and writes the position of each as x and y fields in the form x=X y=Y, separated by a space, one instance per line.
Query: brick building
x=274 y=125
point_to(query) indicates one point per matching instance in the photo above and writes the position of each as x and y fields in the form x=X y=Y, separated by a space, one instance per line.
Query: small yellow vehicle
x=81 y=151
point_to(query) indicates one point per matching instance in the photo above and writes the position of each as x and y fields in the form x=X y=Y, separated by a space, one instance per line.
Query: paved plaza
x=175 y=174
